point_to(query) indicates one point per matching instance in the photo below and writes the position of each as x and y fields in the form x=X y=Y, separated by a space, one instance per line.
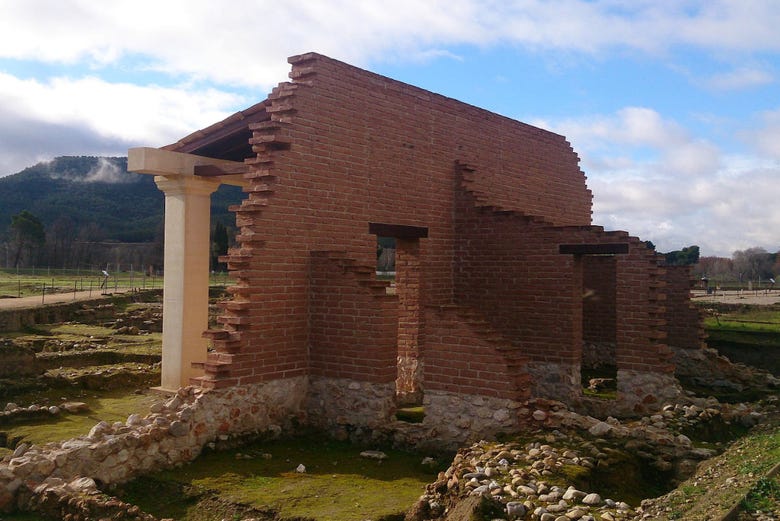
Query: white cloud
x=97 y=117
x=650 y=176
x=766 y=137
x=248 y=42
x=739 y=79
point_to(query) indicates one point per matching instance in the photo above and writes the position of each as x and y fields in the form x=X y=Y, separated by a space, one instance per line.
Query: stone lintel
x=155 y=161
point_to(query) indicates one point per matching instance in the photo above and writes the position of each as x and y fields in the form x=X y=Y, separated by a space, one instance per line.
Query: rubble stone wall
x=174 y=433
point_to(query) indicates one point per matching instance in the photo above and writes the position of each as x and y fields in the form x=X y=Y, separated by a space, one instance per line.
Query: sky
x=672 y=105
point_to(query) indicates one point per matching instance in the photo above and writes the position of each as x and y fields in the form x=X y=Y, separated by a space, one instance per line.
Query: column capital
x=185 y=185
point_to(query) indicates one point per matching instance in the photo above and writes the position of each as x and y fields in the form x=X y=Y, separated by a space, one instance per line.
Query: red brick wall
x=353 y=322
x=510 y=268
x=464 y=355
x=346 y=147
x=683 y=318
x=641 y=313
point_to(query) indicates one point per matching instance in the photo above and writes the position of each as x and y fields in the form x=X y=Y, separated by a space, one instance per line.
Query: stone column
x=186 y=289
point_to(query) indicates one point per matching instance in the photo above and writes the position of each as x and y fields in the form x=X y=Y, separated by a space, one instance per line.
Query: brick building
x=503 y=286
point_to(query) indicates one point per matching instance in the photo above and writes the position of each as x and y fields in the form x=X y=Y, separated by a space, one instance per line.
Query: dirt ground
x=760 y=297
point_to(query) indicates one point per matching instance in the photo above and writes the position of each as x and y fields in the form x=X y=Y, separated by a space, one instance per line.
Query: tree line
x=62 y=244
x=753 y=265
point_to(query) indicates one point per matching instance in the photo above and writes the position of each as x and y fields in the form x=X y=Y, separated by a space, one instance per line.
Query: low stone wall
x=365 y=412
x=18 y=361
x=349 y=409
x=556 y=381
x=458 y=419
x=175 y=432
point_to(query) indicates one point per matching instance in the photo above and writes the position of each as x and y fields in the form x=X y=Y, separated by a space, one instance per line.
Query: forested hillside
x=91 y=200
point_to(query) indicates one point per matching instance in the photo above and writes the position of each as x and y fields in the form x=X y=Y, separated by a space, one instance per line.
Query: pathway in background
x=760 y=297
x=54 y=298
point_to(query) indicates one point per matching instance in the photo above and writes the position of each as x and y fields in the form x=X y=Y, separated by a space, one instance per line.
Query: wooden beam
x=616 y=248
x=221 y=170
x=155 y=161
x=398 y=231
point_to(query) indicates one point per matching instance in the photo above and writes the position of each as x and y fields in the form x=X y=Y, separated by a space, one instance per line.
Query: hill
x=96 y=192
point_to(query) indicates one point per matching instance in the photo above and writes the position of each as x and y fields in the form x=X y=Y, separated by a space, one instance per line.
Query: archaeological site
x=506 y=303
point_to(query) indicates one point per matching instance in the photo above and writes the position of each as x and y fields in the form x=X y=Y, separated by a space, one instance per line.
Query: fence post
x=75 y=287
x=43 y=293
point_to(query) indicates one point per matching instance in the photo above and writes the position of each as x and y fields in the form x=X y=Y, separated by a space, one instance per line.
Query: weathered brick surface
x=341 y=147
x=685 y=327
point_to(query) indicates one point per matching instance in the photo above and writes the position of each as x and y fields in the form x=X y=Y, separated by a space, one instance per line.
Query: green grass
x=31 y=282
x=110 y=406
x=338 y=484
x=763 y=497
x=745 y=318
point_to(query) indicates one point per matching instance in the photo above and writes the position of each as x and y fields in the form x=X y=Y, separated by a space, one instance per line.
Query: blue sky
x=673 y=106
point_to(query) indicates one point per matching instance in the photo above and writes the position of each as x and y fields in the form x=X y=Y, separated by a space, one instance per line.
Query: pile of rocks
x=544 y=480
x=520 y=482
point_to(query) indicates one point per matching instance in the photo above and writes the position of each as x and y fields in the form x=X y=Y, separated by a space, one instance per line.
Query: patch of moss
x=110 y=406
x=338 y=485
x=410 y=414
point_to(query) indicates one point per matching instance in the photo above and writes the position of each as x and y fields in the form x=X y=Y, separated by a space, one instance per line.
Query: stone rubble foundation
x=174 y=433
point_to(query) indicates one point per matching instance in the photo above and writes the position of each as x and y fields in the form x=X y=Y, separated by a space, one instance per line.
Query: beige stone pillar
x=186 y=289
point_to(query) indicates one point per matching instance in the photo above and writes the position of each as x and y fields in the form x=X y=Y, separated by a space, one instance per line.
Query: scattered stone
x=591 y=499
x=373 y=454
x=178 y=429
x=300 y=469
x=600 y=429
x=75 y=407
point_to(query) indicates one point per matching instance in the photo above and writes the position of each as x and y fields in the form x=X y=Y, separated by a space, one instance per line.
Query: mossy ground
x=110 y=406
x=338 y=485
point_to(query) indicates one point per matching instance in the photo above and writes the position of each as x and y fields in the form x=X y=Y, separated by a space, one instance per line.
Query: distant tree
x=650 y=245
x=60 y=238
x=685 y=257
x=753 y=264
x=718 y=268
x=220 y=241
x=27 y=235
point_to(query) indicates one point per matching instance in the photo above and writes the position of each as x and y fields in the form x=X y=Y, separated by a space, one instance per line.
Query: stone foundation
x=556 y=381
x=175 y=432
x=342 y=406
x=644 y=392
x=596 y=355
x=459 y=419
